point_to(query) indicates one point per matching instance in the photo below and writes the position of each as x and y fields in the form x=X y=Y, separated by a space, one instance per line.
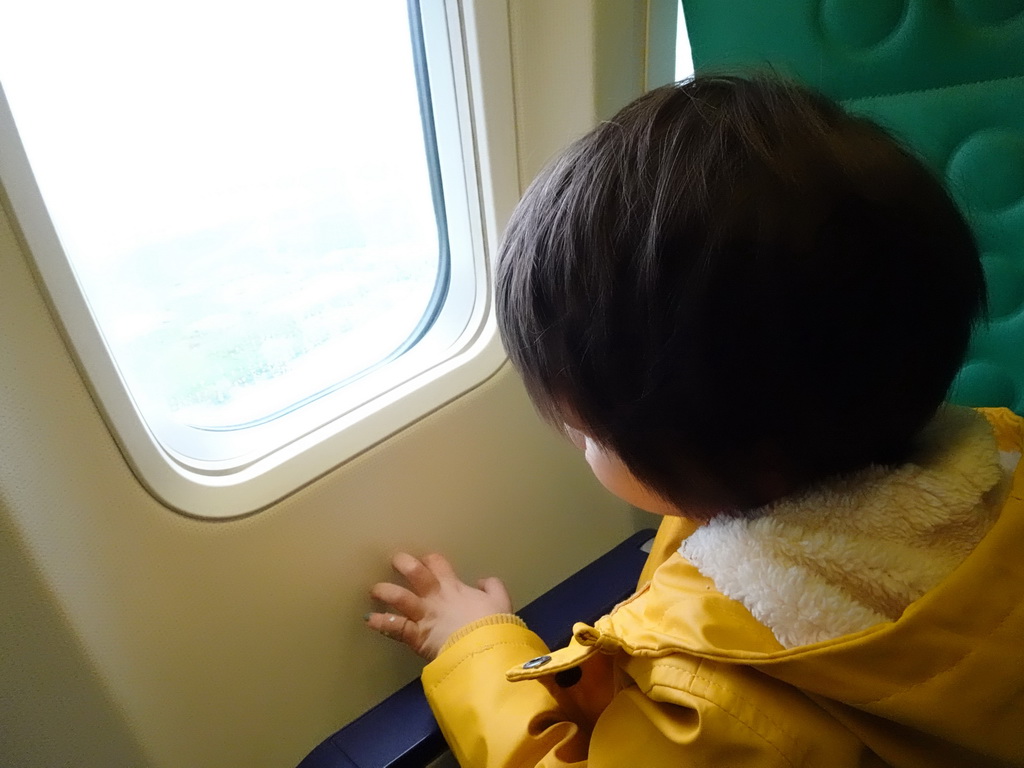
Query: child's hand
x=437 y=604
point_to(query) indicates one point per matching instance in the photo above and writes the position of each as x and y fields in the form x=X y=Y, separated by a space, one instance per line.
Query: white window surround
x=476 y=141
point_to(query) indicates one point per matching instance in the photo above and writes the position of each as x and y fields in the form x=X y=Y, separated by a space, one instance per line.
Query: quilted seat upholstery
x=947 y=77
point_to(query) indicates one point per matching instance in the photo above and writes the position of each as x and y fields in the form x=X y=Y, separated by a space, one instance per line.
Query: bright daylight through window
x=244 y=191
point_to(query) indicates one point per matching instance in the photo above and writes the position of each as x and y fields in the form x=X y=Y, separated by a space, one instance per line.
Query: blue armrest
x=401 y=732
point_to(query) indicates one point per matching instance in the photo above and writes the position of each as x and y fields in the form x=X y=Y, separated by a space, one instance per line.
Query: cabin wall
x=136 y=636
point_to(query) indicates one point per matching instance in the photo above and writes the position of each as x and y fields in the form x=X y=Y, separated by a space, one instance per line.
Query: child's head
x=738 y=289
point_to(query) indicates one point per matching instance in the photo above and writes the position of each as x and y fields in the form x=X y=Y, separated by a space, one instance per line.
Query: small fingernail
x=366 y=617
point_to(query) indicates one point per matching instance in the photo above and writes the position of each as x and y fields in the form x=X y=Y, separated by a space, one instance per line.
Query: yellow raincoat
x=681 y=675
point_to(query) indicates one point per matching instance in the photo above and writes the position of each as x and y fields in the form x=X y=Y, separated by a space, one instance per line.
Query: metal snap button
x=540 y=661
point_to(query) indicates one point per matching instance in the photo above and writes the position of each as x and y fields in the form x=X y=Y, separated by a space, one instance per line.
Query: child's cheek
x=591 y=452
x=608 y=469
x=614 y=476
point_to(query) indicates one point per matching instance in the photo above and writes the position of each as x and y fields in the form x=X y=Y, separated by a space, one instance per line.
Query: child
x=746 y=306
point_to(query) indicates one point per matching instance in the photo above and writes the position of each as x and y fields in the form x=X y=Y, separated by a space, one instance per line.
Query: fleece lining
x=857 y=550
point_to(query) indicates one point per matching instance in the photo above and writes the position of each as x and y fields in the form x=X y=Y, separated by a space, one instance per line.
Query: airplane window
x=248 y=210
x=254 y=201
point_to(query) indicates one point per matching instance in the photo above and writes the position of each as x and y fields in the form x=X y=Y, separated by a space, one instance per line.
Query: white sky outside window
x=242 y=189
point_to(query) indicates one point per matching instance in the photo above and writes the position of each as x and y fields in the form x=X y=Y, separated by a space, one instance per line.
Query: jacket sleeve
x=490 y=722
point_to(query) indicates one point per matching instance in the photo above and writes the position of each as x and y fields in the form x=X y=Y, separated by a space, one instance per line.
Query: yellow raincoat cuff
x=486 y=621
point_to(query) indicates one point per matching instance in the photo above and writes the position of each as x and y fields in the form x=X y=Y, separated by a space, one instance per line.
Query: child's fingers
x=399 y=598
x=439 y=566
x=495 y=587
x=394 y=627
x=420 y=577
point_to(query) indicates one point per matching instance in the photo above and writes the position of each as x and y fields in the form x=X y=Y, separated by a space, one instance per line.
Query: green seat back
x=947 y=77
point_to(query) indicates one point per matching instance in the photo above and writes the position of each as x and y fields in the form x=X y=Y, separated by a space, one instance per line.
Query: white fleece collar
x=859 y=549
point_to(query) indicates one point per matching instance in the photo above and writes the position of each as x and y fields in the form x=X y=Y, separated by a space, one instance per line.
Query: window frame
x=459 y=351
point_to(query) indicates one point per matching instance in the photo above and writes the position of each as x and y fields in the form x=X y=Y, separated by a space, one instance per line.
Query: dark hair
x=739 y=289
